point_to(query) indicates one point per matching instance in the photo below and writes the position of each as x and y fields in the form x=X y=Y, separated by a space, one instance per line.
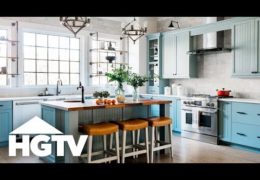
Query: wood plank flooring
x=185 y=151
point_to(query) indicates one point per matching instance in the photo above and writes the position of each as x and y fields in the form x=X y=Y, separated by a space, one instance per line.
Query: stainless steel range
x=199 y=118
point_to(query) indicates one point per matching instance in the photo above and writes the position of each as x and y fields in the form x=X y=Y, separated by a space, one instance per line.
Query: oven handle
x=187 y=110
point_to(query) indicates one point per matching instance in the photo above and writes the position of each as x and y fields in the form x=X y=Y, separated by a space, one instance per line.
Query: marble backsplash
x=215 y=72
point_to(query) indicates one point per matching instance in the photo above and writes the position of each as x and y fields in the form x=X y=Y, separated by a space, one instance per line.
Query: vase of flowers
x=120 y=75
x=136 y=81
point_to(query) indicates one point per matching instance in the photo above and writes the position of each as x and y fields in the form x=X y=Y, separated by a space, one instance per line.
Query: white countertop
x=68 y=97
x=240 y=100
x=163 y=95
x=43 y=97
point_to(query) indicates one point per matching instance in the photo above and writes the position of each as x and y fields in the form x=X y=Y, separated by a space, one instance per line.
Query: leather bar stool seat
x=101 y=129
x=156 y=142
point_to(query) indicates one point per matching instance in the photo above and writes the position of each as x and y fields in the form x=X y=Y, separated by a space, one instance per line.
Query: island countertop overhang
x=91 y=104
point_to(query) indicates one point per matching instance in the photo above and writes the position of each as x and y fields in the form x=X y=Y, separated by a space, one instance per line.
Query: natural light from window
x=48 y=58
x=3 y=57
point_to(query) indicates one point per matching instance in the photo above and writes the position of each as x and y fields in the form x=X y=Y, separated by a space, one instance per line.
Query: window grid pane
x=48 y=58
x=3 y=58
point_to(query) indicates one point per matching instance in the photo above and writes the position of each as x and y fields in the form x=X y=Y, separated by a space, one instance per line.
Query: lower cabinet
x=246 y=134
x=6 y=119
x=175 y=110
x=225 y=117
x=239 y=123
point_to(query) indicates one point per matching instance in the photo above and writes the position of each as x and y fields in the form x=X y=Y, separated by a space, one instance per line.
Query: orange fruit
x=97 y=101
x=105 y=101
x=113 y=102
x=108 y=101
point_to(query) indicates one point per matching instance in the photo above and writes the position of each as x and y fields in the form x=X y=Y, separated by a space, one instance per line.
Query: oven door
x=207 y=121
x=187 y=118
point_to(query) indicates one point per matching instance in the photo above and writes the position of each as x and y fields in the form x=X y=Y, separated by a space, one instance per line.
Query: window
x=3 y=57
x=48 y=58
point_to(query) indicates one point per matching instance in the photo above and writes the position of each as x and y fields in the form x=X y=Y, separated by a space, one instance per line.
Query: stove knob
x=184 y=102
x=192 y=102
x=208 y=104
x=212 y=104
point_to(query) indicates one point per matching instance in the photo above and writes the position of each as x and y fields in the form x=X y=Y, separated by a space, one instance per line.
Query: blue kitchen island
x=66 y=116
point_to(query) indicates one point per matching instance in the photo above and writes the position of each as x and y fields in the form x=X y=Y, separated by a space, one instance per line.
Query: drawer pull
x=241 y=113
x=258 y=114
x=241 y=134
x=258 y=137
x=1 y=105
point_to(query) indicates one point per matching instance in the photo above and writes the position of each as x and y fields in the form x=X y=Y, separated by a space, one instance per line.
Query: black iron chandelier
x=133 y=30
x=75 y=24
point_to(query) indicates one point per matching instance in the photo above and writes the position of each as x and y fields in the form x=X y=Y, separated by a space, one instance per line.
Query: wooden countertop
x=91 y=104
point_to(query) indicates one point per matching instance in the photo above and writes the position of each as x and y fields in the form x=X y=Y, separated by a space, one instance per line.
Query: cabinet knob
x=254 y=72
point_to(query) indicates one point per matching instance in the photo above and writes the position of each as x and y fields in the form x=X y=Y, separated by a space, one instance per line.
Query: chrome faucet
x=82 y=92
x=57 y=88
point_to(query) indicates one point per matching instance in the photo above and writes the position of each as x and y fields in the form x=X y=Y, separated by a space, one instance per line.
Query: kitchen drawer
x=246 y=113
x=245 y=134
x=6 y=104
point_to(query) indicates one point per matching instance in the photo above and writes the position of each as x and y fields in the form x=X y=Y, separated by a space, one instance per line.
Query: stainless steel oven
x=199 y=120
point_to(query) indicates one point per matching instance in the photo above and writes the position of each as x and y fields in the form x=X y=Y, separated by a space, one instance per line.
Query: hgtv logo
x=41 y=144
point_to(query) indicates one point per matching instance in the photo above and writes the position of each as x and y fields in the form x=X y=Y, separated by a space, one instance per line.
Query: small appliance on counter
x=174 y=89
x=167 y=90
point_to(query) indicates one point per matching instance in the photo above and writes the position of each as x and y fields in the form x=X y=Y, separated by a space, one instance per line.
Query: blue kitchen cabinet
x=49 y=115
x=155 y=84
x=246 y=49
x=6 y=119
x=177 y=117
x=225 y=120
x=246 y=124
x=176 y=63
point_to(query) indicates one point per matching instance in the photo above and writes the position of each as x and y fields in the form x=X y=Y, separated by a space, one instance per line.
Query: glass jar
x=120 y=94
x=135 y=94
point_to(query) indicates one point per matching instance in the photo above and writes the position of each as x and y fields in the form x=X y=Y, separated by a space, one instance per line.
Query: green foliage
x=119 y=74
x=136 y=80
x=101 y=94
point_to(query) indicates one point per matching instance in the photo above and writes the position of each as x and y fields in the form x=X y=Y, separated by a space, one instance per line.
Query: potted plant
x=101 y=94
x=136 y=81
x=119 y=75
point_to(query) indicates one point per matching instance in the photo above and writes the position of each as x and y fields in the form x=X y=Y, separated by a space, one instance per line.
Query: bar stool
x=101 y=129
x=134 y=125
x=155 y=123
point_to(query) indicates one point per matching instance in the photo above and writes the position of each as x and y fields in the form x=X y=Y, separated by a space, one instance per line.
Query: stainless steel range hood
x=210 y=42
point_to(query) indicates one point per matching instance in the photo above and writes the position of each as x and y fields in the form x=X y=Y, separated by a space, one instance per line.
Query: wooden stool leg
x=105 y=144
x=133 y=141
x=117 y=147
x=138 y=139
x=90 y=138
x=171 y=139
x=152 y=144
x=147 y=144
x=123 y=146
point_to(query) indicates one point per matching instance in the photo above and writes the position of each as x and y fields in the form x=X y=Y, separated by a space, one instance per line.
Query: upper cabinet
x=246 y=47
x=154 y=65
x=176 y=63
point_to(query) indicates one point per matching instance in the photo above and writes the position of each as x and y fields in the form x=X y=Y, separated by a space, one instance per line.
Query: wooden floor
x=185 y=151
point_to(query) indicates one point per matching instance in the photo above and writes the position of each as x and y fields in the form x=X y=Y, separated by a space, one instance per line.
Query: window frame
x=49 y=33
x=7 y=26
